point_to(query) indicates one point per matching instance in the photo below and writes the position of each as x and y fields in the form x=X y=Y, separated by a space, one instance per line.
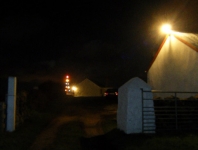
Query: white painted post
x=129 y=114
x=11 y=104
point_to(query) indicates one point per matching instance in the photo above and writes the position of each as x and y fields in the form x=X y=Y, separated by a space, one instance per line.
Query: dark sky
x=106 y=41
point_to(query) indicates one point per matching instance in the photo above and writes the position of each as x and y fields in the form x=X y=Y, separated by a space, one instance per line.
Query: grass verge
x=68 y=137
x=162 y=142
x=165 y=141
x=24 y=135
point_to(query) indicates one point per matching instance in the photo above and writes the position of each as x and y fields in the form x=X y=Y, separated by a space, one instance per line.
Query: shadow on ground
x=109 y=141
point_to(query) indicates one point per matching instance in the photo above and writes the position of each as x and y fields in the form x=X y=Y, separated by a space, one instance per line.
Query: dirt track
x=89 y=117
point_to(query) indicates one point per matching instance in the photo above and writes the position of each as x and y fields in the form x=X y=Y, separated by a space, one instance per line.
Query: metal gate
x=170 y=113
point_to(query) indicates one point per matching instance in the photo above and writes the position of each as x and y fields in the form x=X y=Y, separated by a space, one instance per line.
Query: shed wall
x=175 y=68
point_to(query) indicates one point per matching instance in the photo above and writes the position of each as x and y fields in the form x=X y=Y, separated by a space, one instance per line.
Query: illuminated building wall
x=175 y=67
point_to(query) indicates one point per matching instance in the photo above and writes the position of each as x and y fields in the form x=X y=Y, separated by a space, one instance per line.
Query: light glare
x=74 y=88
x=166 y=28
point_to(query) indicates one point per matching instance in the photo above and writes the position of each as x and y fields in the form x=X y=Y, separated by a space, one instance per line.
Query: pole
x=11 y=104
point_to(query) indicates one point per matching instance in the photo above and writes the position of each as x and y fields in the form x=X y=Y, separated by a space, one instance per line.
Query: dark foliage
x=3 y=89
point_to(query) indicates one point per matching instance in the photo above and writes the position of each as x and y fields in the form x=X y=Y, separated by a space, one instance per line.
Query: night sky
x=106 y=41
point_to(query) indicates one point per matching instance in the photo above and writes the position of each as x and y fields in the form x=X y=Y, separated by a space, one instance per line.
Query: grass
x=108 y=125
x=163 y=142
x=70 y=136
x=24 y=135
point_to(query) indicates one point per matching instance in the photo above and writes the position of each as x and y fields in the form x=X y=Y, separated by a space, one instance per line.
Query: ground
x=88 y=112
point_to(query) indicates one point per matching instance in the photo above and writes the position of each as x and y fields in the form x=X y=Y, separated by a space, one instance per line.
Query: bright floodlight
x=166 y=28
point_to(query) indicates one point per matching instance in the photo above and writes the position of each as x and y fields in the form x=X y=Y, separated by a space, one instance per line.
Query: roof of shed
x=88 y=80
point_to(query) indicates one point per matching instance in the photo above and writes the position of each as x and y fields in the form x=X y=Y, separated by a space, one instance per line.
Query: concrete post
x=11 y=104
x=129 y=114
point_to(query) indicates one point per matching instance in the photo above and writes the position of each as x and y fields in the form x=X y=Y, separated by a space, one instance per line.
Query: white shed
x=87 y=88
x=175 y=66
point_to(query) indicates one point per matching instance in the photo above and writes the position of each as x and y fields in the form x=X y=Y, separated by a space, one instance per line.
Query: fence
x=2 y=116
x=170 y=113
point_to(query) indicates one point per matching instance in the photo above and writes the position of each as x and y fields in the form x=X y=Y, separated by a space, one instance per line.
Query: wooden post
x=11 y=104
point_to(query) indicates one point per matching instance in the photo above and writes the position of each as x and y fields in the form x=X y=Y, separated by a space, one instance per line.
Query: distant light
x=67 y=76
x=74 y=88
x=166 y=28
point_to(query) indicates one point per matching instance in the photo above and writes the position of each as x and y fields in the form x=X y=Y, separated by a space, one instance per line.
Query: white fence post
x=11 y=104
